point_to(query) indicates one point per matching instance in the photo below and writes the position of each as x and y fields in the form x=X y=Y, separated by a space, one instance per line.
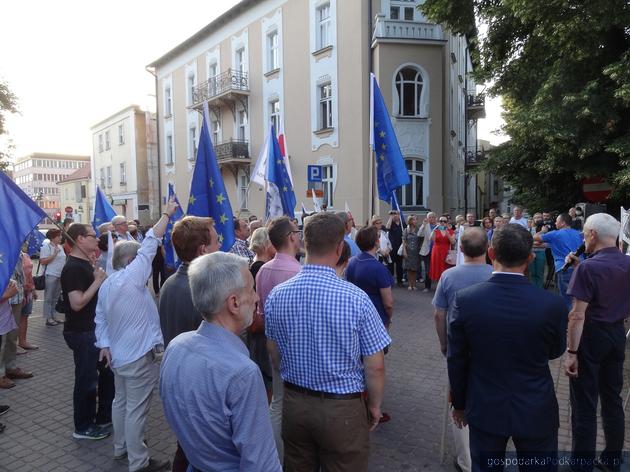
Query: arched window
x=409 y=88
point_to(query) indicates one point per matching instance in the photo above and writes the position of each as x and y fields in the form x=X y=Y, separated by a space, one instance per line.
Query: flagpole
x=371 y=169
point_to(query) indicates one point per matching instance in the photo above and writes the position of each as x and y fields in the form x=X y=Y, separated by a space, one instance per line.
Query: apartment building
x=124 y=163
x=76 y=196
x=309 y=62
x=37 y=175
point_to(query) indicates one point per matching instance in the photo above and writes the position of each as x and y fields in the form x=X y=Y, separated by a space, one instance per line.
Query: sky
x=72 y=64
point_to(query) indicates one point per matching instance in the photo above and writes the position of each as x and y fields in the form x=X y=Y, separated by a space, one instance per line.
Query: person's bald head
x=474 y=242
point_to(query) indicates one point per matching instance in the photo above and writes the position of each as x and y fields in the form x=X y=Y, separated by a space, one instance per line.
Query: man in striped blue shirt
x=328 y=339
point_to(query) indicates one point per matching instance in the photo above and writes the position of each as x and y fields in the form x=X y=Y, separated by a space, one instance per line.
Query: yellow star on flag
x=211 y=183
x=220 y=238
x=220 y=199
x=223 y=218
x=382 y=134
x=191 y=200
x=279 y=161
x=382 y=157
x=285 y=189
x=384 y=146
x=1 y=258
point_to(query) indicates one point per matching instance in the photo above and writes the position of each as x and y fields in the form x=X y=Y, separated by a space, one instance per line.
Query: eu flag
x=208 y=196
x=391 y=171
x=103 y=211
x=18 y=217
x=280 y=196
x=170 y=258
x=35 y=240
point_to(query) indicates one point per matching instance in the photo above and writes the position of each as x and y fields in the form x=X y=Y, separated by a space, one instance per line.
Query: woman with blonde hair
x=384 y=245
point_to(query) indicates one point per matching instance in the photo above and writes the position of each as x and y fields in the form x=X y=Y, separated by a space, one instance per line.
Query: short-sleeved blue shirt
x=562 y=242
x=371 y=276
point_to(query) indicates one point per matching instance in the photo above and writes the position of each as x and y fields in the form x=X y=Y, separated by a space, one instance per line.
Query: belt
x=315 y=393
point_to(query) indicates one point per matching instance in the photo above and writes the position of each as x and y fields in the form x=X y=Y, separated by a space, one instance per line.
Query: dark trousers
x=427 y=267
x=396 y=266
x=91 y=378
x=159 y=277
x=487 y=452
x=324 y=434
x=600 y=374
x=562 y=282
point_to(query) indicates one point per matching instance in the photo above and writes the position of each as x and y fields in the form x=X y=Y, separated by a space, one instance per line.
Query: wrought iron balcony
x=227 y=87
x=397 y=29
x=234 y=151
x=476 y=105
x=475 y=156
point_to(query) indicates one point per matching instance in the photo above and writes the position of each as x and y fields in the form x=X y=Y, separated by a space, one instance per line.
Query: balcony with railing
x=398 y=29
x=476 y=105
x=226 y=88
x=475 y=156
x=233 y=151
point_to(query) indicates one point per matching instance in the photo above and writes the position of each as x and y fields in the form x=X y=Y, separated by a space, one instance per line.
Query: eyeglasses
x=443 y=221
x=298 y=231
x=90 y=236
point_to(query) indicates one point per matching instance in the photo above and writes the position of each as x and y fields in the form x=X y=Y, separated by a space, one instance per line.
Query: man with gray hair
x=121 y=229
x=474 y=244
x=128 y=334
x=596 y=344
x=348 y=222
x=213 y=394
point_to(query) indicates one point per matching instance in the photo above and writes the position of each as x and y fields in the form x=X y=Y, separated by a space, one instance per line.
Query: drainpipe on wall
x=157 y=132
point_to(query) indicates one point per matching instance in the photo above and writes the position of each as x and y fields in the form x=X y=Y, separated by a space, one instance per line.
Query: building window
x=192 y=143
x=123 y=174
x=109 y=176
x=212 y=70
x=394 y=13
x=413 y=193
x=274 y=114
x=169 y=150
x=325 y=106
x=100 y=143
x=191 y=88
x=409 y=89
x=121 y=134
x=215 y=130
x=408 y=14
x=323 y=26
x=107 y=142
x=239 y=60
x=243 y=183
x=241 y=123
x=328 y=180
x=274 y=51
x=168 y=102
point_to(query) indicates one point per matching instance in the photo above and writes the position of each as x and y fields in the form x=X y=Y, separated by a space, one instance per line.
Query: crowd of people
x=272 y=356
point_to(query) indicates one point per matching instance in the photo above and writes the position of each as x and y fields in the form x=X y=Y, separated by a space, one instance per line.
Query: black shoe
x=4 y=409
x=93 y=432
x=155 y=465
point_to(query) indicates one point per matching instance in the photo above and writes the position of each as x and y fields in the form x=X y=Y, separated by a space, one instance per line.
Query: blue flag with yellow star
x=170 y=257
x=391 y=171
x=280 y=197
x=18 y=217
x=208 y=196
x=103 y=211
x=35 y=240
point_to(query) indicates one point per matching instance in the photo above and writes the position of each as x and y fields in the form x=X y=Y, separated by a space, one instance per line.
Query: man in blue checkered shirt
x=328 y=339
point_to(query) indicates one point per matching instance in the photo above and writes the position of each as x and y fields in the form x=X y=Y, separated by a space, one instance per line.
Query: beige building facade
x=307 y=63
x=124 y=163
x=76 y=196
x=37 y=175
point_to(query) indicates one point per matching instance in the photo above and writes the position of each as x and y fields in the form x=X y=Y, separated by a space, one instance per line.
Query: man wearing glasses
x=286 y=238
x=80 y=283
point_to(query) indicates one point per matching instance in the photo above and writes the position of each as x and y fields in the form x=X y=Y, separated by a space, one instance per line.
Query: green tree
x=563 y=70
x=8 y=104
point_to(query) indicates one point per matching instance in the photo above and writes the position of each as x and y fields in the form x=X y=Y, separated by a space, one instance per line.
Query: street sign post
x=314 y=174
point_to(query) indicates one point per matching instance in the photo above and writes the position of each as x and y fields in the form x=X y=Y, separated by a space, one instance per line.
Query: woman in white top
x=53 y=258
x=385 y=246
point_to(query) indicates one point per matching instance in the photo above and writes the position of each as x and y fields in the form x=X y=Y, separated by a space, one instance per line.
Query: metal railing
x=476 y=101
x=232 y=149
x=228 y=81
x=398 y=29
x=475 y=156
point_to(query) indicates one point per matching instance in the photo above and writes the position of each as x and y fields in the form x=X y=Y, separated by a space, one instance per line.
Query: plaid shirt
x=323 y=326
x=240 y=249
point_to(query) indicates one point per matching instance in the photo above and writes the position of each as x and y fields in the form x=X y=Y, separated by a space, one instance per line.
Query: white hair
x=259 y=240
x=123 y=251
x=214 y=277
x=118 y=220
x=606 y=226
x=431 y=213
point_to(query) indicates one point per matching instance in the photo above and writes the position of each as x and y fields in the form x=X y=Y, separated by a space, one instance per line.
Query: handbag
x=451 y=257
x=401 y=250
x=40 y=280
x=60 y=306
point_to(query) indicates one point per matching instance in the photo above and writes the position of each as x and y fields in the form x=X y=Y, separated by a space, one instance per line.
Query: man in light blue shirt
x=128 y=333
x=213 y=395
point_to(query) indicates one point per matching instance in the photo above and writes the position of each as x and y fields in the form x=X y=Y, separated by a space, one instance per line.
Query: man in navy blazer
x=502 y=334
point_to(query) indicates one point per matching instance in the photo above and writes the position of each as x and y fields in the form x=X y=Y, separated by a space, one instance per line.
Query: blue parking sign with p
x=314 y=174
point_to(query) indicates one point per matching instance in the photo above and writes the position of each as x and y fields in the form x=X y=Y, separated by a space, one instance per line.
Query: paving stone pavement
x=38 y=437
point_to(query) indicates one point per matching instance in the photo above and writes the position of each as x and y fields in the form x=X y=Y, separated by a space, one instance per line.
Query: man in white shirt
x=128 y=333
x=518 y=217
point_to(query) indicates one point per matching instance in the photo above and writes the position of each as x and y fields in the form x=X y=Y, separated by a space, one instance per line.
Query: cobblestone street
x=38 y=436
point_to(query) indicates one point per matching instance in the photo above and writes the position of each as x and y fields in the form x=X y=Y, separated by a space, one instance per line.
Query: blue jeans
x=90 y=377
x=562 y=281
